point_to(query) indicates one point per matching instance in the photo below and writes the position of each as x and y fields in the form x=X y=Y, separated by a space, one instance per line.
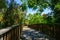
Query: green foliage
x=49 y=20
x=38 y=19
x=34 y=3
x=2 y=4
x=23 y=7
x=57 y=6
x=54 y=4
x=12 y=14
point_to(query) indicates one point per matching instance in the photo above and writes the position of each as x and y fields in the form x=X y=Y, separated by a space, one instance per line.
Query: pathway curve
x=31 y=34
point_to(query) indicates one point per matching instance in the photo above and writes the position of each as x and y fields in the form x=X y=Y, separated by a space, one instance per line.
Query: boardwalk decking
x=31 y=34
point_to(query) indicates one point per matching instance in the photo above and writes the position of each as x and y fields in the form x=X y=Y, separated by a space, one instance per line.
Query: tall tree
x=56 y=7
x=11 y=15
x=8 y=19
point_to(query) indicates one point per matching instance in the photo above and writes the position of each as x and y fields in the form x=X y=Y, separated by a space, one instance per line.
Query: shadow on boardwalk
x=31 y=34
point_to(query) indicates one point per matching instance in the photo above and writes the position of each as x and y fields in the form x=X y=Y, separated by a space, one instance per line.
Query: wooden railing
x=53 y=30
x=10 y=33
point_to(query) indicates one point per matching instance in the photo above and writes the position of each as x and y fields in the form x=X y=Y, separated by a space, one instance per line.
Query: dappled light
x=29 y=19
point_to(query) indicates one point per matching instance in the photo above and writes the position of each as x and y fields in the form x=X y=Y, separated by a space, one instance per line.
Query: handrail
x=53 y=30
x=10 y=33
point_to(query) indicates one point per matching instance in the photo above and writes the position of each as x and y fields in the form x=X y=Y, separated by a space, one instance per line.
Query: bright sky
x=18 y=2
x=30 y=10
x=47 y=10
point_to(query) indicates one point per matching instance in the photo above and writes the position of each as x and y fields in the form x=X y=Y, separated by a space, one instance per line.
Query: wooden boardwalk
x=31 y=34
x=27 y=34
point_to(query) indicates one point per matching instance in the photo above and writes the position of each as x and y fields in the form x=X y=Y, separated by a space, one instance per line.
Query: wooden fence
x=53 y=30
x=10 y=33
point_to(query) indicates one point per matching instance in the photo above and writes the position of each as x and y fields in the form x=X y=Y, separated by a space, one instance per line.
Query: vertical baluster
x=19 y=32
x=54 y=32
x=50 y=29
x=42 y=27
x=3 y=36
x=6 y=36
x=11 y=34
x=16 y=34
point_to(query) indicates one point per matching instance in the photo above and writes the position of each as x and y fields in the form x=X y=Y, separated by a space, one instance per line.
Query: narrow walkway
x=31 y=34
